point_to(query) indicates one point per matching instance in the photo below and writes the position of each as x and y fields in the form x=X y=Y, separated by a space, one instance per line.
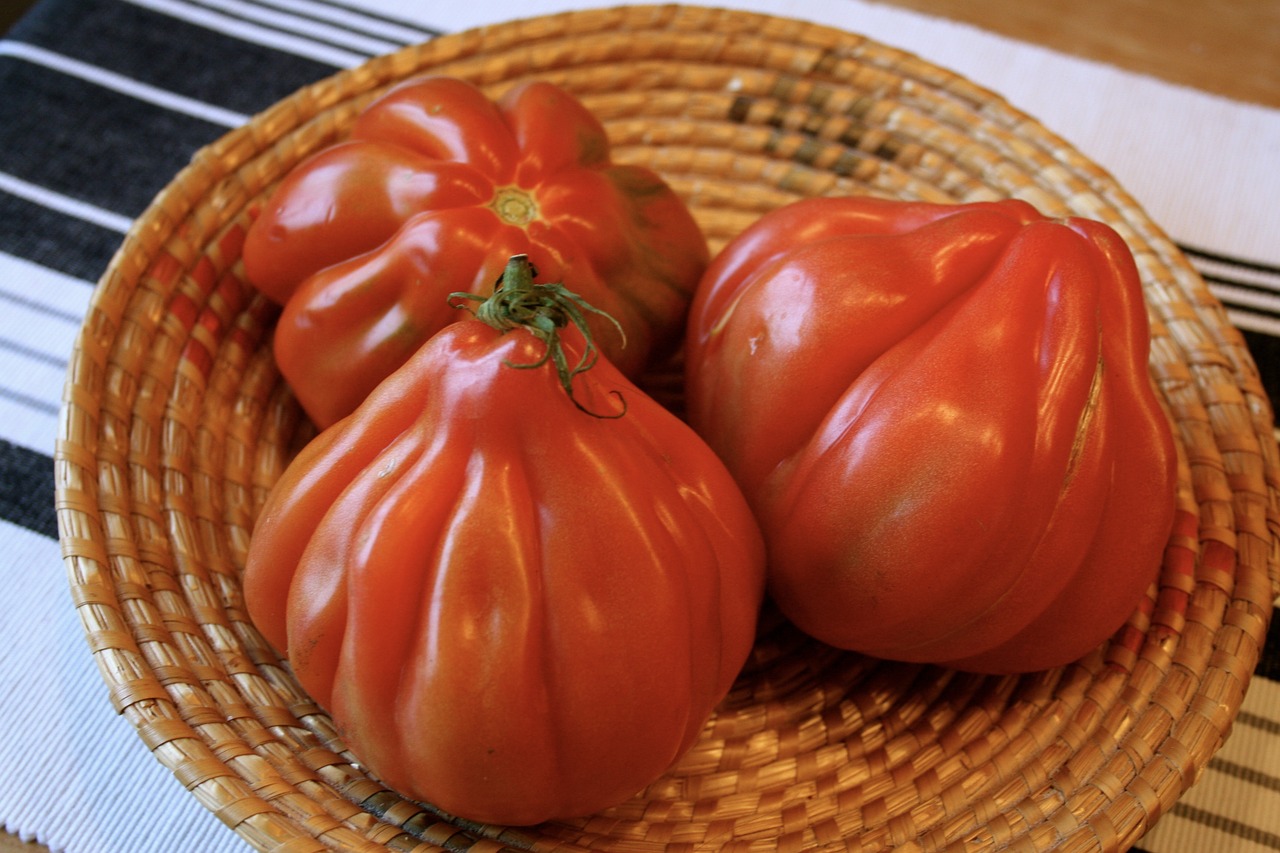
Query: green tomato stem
x=542 y=310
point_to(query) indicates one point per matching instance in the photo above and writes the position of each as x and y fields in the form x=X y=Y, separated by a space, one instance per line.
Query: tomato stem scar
x=514 y=206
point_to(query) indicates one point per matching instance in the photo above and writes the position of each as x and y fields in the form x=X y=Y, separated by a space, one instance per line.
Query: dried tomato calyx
x=542 y=310
x=514 y=206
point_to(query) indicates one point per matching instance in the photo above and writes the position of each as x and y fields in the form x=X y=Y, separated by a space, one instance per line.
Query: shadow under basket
x=176 y=423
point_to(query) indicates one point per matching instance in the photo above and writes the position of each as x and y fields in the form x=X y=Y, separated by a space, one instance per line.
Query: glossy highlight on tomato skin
x=512 y=609
x=340 y=243
x=972 y=467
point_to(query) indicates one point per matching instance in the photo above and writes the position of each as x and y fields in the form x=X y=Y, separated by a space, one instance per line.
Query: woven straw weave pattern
x=176 y=424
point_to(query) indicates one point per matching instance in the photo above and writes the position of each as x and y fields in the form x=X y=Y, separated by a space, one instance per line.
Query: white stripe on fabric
x=28 y=423
x=122 y=84
x=1246 y=297
x=212 y=20
x=41 y=327
x=44 y=311
x=65 y=204
x=1225 y=269
x=31 y=423
x=1254 y=322
x=61 y=294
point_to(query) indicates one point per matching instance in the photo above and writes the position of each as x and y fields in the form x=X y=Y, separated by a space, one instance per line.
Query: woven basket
x=176 y=423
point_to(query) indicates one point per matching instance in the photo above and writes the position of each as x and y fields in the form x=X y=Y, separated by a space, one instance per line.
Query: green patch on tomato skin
x=637 y=183
x=592 y=148
x=408 y=332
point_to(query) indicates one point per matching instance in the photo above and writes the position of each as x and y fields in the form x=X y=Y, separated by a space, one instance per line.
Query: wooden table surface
x=1228 y=48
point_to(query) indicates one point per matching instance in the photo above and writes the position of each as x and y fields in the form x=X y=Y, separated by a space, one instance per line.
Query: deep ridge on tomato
x=517 y=583
x=943 y=418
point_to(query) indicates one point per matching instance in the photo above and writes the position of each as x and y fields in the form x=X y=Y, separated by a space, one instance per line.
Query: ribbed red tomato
x=516 y=603
x=435 y=187
x=943 y=418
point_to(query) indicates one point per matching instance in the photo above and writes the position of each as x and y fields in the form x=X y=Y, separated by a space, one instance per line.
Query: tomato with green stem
x=518 y=584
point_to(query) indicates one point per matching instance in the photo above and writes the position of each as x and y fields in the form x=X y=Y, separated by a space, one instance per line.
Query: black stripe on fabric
x=168 y=53
x=39 y=307
x=30 y=354
x=26 y=489
x=1233 y=281
x=1259 y=722
x=347 y=25
x=90 y=143
x=1265 y=350
x=274 y=28
x=1253 y=286
x=1194 y=252
x=51 y=239
x=1251 y=834
x=424 y=33
x=1236 y=290
x=1216 y=269
x=1251 y=775
x=26 y=401
x=1269 y=659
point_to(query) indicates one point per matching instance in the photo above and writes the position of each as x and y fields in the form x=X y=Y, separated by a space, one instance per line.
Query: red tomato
x=943 y=418
x=435 y=188
x=515 y=603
